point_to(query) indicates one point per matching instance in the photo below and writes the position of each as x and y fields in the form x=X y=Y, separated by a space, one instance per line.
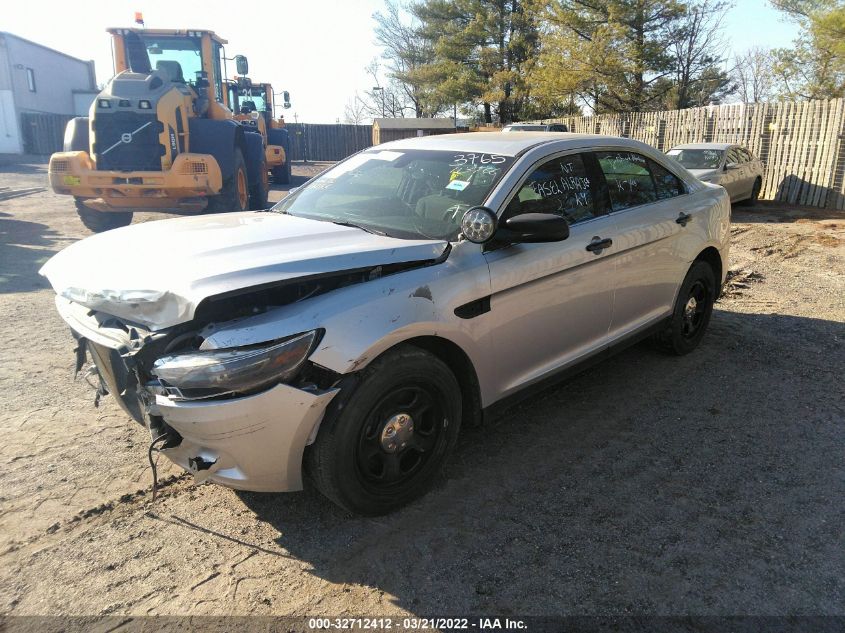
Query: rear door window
x=629 y=180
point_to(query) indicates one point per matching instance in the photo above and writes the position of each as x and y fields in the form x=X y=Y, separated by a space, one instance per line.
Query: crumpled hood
x=157 y=273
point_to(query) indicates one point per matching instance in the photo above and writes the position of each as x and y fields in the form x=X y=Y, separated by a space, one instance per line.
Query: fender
x=254 y=156
x=218 y=138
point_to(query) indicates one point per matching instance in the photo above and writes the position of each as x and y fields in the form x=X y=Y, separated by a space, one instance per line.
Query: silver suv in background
x=731 y=166
x=350 y=331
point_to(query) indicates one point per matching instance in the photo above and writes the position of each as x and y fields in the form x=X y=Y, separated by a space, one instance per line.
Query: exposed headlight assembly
x=205 y=374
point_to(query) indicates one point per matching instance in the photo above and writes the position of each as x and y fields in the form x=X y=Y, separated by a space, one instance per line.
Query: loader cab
x=246 y=98
x=194 y=59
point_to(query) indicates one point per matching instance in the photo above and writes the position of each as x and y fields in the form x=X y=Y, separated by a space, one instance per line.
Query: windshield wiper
x=358 y=226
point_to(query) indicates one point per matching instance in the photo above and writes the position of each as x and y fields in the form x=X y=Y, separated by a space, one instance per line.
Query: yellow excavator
x=253 y=105
x=160 y=136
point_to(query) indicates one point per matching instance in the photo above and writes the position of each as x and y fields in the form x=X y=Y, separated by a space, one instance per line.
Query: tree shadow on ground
x=648 y=484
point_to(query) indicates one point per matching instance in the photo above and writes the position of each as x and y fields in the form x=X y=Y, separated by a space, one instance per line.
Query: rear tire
x=281 y=174
x=235 y=193
x=258 y=193
x=99 y=221
x=755 y=193
x=692 y=312
x=393 y=436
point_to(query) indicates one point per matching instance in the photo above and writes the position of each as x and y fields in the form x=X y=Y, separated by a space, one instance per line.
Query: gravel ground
x=707 y=485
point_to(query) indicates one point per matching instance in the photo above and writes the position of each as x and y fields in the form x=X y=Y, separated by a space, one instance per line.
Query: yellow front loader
x=253 y=105
x=160 y=136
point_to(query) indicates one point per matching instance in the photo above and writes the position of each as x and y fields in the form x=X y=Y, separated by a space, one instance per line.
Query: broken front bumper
x=251 y=443
x=185 y=186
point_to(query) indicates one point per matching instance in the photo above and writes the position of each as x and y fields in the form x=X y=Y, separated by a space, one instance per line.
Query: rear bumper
x=251 y=443
x=189 y=181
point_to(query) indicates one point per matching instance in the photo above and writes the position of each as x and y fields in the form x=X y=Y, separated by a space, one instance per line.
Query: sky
x=315 y=49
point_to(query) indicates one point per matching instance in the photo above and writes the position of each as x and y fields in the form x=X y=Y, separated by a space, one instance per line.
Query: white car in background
x=731 y=166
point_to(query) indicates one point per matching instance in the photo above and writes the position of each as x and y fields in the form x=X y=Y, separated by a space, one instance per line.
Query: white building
x=40 y=88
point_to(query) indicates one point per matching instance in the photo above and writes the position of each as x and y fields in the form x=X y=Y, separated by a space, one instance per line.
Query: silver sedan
x=419 y=285
x=731 y=166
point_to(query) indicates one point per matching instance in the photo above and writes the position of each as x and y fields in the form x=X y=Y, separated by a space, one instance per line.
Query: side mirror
x=286 y=99
x=731 y=166
x=242 y=65
x=532 y=228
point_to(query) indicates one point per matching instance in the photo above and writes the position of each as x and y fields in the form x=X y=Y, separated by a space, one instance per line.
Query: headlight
x=194 y=375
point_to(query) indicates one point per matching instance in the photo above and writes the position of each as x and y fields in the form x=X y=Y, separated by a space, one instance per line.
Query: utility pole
x=380 y=90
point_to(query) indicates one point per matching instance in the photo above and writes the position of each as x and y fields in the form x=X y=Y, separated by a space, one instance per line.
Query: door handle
x=598 y=244
x=683 y=218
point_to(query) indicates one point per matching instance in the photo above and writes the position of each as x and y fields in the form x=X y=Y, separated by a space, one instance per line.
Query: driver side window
x=560 y=186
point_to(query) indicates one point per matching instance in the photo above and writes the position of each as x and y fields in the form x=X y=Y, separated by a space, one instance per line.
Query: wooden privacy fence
x=310 y=141
x=43 y=133
x=801 y=144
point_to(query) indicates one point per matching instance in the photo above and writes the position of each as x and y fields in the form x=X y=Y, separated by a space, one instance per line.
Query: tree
x=406 y=51
x=354 y=111
x=695 y=51
x=483 y=52
x=815 y=67
x=754 y=76
x=615 y=54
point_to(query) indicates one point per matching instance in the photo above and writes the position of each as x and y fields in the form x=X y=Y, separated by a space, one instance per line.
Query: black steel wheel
x=402 y=432
x=692 y=311
x=389 y=440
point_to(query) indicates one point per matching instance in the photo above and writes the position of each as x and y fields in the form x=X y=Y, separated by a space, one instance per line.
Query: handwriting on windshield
x=476 y=159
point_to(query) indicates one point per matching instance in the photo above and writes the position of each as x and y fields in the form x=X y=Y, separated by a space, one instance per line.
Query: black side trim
x=473 y=308
x=498 y=408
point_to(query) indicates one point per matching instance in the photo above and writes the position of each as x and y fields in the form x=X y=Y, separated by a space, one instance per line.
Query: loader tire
x=281 y=174
x=99 y=221
x=235 y=193
x=258 y=192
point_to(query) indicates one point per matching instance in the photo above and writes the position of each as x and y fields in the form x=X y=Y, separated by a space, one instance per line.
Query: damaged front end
x=240 y=416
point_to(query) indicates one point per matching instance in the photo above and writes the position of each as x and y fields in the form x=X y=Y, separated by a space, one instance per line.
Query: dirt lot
x=709 y=484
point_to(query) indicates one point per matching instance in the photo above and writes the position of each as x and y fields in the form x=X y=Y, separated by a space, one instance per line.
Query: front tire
x=235 y=193
x=99 y=221
x=393 y=437
x=692 y=312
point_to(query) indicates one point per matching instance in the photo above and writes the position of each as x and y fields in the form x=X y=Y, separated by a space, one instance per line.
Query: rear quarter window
x=667 y=184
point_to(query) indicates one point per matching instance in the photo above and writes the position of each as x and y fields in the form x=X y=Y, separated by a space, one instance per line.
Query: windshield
x=179 y=57
x=698 y=158
x=410 y=194
x=253 y=98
